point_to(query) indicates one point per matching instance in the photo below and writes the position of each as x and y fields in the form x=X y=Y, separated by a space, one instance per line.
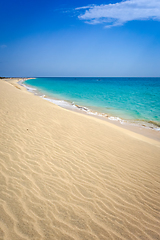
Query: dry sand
x=64 y=175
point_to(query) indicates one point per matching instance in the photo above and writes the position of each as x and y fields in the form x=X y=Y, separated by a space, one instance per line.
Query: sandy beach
x=66 y=175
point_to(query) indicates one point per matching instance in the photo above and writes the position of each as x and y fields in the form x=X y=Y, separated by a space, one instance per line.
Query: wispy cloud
x=85 y=7
x=3 y=46
x=119 y=13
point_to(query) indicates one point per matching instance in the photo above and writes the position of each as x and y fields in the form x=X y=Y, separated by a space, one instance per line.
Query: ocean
x=127 y=100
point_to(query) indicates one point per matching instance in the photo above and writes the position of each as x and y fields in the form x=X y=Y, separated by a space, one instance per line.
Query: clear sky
x=80 y=38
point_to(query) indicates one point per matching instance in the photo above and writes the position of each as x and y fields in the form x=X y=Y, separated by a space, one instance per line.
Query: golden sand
x=64 y=175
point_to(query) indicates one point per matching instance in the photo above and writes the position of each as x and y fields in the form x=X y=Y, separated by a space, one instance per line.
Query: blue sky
x=80 y=38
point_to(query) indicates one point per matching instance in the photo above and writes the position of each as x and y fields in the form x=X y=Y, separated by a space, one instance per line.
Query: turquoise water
x=131 y=99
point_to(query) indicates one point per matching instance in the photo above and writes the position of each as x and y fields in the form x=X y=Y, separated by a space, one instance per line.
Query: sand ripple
x=67 y=176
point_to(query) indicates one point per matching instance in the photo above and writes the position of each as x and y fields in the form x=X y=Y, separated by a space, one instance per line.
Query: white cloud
x=120 y=13
x=85 y=7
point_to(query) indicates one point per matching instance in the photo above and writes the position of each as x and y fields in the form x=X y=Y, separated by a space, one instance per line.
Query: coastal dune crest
x=64 y=175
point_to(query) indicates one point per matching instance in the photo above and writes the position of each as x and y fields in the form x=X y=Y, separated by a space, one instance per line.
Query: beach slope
x=65 y=175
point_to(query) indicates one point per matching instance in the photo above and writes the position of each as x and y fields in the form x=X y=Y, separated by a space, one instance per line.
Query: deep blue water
x=133 y=99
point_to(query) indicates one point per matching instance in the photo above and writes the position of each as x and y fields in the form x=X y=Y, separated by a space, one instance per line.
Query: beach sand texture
x=65 y=175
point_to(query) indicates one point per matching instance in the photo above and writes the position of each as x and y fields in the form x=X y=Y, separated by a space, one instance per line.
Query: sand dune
x=64 y=175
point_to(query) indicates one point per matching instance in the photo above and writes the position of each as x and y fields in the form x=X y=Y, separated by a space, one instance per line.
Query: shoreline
x=138 y=129
x=143 y=129
x=66 y=175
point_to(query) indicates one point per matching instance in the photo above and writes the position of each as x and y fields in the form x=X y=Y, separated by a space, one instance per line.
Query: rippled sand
x=64 y=175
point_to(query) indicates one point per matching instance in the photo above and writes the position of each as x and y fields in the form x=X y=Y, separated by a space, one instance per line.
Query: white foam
x=117 y=119
x=60 y=103
x=72 y=105
x=30 y=89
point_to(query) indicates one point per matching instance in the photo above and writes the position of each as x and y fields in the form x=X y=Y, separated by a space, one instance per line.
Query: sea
x=133 y=101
